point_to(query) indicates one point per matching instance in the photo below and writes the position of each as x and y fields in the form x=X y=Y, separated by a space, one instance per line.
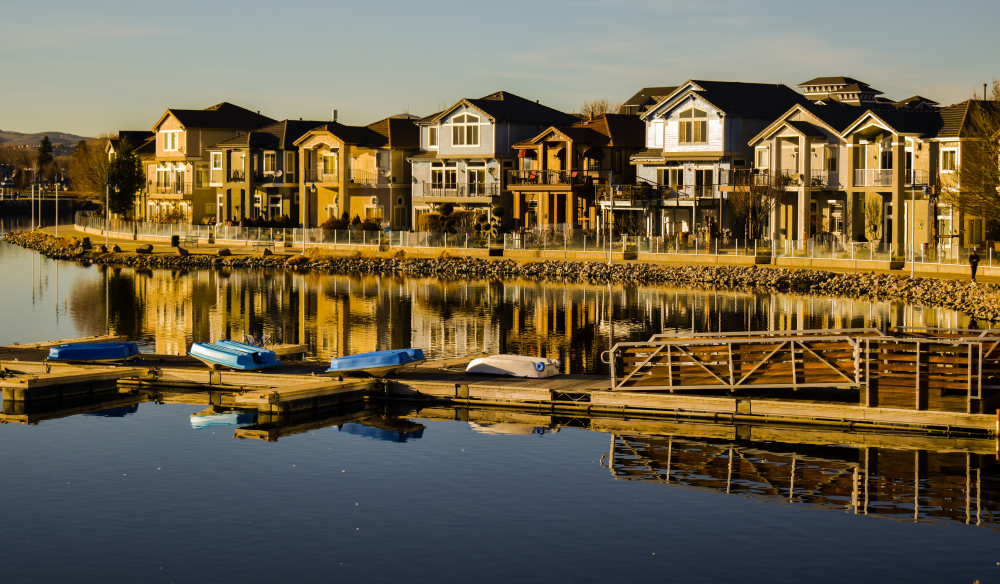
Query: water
x=149 y=492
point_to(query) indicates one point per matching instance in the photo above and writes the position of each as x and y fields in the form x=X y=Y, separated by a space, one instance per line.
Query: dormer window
x=693 y=126
x=465 y=130
x=171 y=140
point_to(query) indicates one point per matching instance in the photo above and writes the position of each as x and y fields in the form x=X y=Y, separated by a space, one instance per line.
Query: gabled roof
x=650 y=92
x=605 y=130
x=832 y=81
x=278 y=136
x=916 y=101
x=918 y=122
x=135 y=137
x=835 y=118
x=148 y=147
x=391 y=132
x=751 y=100
x=505 y=107
x=219 y=116
x=806 y=129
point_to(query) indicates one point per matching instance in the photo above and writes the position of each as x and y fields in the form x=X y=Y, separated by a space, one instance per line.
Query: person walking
x=973 y=263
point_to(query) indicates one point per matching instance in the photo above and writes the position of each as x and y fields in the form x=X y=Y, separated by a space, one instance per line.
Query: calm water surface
x=162 y=493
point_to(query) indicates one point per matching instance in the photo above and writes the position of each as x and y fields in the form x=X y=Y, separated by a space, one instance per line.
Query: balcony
x=444 y=190
x=237 y=175
x=363 y=177
x=557 y=177
x=171 y=188
x=826 y=179
x=916 y=178
x=321 y=175
x=649 y=194
x=873 y=178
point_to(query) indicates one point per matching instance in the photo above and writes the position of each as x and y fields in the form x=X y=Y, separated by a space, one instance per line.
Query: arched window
x=693 y=126
x=465 y=130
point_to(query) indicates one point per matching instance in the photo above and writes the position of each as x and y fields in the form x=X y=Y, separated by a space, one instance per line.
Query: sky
x=108 y=65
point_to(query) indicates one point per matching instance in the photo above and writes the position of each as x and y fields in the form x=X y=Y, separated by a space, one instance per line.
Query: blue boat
x=233 y=355
x=377 y=363
x=94 y=352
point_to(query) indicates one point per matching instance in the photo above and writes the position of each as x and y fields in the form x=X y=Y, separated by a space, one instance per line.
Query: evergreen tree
x=45 y=152
x=127 y=178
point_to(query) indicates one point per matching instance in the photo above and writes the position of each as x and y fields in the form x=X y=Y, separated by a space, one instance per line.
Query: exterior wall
x=486 y=134
x=670 y=118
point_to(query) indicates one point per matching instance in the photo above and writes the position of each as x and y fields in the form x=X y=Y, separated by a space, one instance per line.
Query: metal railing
x=363 y=177
x=916 y=177
x=321 y=175
x=873 y=178
x=170 y=188
x=424 y=189
x=648 y=194
x=557 y=177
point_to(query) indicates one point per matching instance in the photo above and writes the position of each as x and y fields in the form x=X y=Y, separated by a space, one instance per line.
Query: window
x=703 y=182
x=949 y=160
x=373 y=213
x=270 y=162
x=171 y=140
x=210 y=208
x=216 y=161
x=432 y=137
x=201 y=175
x=444 y=179
x=289 y=167
x=693 y=126
x=673 y=177
x=382 y=160
x=658 y=134
x=830 y=155
x=763 y=158
x=330 y=164
x=465 y=130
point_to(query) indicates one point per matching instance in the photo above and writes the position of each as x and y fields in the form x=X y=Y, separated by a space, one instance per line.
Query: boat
x=514 y=366
x=377 y=363
x=94 y=352
x=200 y=421
x=233 y=355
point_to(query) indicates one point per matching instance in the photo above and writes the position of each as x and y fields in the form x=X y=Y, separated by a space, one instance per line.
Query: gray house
x=465 y=149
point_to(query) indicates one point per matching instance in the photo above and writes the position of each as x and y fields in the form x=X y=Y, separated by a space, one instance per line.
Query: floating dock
x=925 y=380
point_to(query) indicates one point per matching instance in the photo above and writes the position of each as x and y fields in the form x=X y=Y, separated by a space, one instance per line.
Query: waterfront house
x=695 y=136
x=256 y=174
x=562 y=169
x=465 y=150
x=178 y=176
x=360 y=171
x=143 y=143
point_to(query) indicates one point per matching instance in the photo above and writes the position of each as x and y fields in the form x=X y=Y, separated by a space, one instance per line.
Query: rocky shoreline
x=981 y=301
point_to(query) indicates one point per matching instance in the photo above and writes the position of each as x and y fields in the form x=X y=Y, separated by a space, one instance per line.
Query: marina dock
x=927 y=381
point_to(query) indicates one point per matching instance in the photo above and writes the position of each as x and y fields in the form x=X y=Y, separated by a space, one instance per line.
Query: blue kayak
x=233 y=355
x=377 y=363
x=94 y=352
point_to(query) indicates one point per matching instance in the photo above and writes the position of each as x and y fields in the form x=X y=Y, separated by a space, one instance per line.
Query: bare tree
x=601 y=106
x=972 y=189
x=89 y=168
x=755 y=201
x=873 y=217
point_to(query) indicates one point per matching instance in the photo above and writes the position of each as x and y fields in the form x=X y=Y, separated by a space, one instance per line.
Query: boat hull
x=514 y=366
x=94 y=353
x=377 y=363
x=233 y=355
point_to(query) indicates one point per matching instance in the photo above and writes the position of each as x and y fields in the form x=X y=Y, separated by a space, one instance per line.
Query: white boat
x=514 y=366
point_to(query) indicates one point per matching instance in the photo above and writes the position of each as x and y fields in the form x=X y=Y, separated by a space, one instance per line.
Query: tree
x=755 y=201
x=89 y=167
x=126 y=174
x=873 y=217
x=972 y=189
x=45 y=152
x=598 y=107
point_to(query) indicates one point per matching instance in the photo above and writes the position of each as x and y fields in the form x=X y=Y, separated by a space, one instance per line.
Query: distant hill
x=20 y=139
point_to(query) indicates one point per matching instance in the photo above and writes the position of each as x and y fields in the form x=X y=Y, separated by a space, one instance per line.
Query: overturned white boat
x=514 y=366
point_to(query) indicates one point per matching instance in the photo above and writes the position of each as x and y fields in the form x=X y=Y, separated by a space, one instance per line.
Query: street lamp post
x=310 y=191
x=56 y=183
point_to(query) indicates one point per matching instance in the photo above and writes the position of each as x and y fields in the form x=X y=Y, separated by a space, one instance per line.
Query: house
x=143 y=143
x=360 y=171
x=178 y=175
x=646 y=98
x=561 y=170
x=256 y=174
x=694 y=137
x=845 y=90
x=465 y=150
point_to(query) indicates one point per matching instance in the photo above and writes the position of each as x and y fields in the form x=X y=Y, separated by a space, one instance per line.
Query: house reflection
x=167 y=310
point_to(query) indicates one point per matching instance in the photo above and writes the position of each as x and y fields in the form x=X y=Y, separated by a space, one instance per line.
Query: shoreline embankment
x=981 y=301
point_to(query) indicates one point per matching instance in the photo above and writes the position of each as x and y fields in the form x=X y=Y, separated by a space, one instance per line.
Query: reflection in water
x=167 y=310
x=916 y=485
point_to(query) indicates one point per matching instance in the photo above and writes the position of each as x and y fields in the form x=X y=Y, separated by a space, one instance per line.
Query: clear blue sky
x=105 y=65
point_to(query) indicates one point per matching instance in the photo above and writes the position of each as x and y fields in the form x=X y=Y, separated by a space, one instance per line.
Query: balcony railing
x=237 y=175
x=873 y=178
x=170 y=188
x=557 y=177
x=456 y=189
x=649 y=193
x=321 y=175
x=363 y=177
x=916 y=177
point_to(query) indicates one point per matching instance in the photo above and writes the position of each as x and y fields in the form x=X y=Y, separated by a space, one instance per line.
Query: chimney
x=333 y=115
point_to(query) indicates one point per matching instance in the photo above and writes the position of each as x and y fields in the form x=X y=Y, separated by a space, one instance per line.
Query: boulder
x=224 y=251
x=86 y=243
x=182 y=252
x=266 y=253
x=116 y=249
x=144 y=249
x=104 y=249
